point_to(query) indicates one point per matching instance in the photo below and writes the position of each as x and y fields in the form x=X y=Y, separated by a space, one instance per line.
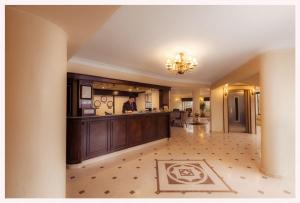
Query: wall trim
x=122 y=69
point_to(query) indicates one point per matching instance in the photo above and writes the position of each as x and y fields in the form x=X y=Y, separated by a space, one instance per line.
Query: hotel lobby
x=150 y=101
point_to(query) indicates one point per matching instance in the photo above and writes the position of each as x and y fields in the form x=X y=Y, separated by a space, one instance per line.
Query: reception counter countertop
x=122 y=114
x=92 y=136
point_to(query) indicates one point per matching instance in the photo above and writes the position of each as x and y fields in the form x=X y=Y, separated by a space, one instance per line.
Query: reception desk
x=92 y=136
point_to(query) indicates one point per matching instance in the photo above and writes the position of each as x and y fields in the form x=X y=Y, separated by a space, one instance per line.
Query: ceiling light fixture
x=181 y=63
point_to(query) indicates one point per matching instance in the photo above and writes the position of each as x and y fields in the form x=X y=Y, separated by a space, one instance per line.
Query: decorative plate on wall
x=97 y=104
x=103 y=99
x=109 y=104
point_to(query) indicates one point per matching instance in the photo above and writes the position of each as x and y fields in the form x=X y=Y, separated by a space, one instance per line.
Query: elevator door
x=236 y=111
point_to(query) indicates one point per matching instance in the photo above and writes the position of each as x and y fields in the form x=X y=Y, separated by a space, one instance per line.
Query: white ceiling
x=138 y=39
x=79 y=28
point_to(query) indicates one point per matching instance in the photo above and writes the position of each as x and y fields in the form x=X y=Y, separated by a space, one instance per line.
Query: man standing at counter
x=130 y=105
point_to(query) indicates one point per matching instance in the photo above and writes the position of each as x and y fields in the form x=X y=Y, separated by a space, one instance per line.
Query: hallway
x=234 y=158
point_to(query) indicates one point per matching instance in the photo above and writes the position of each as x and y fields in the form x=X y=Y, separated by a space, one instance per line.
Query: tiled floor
x=234 y=157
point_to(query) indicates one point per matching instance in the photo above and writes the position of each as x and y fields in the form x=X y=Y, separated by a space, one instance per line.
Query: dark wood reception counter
x=92 y=136
x=96 y=124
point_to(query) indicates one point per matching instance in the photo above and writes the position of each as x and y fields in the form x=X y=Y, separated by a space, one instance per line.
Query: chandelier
x=181 y=63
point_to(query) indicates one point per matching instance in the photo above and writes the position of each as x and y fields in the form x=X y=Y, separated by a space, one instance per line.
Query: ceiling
x=138 y=39
x=78 y=21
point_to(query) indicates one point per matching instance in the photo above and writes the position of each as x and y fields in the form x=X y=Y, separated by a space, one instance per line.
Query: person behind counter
x=130 y=105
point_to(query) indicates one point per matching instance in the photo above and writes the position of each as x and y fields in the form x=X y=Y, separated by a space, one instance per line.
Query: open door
x=236 y=111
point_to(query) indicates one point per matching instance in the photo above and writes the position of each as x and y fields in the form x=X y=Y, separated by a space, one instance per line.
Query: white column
x=216 y=106
x=35 y=139
x=196 y=101
x=277 y=97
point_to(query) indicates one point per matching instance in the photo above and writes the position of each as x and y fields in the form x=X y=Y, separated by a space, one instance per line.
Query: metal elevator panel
x=236 y=111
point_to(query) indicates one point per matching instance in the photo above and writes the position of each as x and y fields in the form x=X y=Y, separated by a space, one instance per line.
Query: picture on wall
x=86 y=92
x=148 y=100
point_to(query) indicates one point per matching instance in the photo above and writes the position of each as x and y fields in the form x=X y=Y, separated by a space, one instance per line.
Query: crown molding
x=105 y=66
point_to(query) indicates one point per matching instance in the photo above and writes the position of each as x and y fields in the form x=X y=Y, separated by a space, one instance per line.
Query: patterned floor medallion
x=188 y=176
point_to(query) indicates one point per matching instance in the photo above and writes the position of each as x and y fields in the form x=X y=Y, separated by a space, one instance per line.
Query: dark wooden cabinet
x=163 y=126
x=75 y=131
x=89 y=137
x=97 y=138
x=69 y=99
x=134 y=131
x=149 y=128
x=118 y=134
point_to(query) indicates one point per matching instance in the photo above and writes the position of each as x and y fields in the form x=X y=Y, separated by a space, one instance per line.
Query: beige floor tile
x=235 y=157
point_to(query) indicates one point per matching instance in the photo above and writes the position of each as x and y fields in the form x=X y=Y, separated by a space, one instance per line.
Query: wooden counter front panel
x=91 y=137
x=97 y=138
x=149 y=128
x=134 y=131
x=163 y=126
x=118 y=134
x=75 y=129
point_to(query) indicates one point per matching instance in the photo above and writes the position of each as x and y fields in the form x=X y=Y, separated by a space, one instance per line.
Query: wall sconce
x=201 y=99
x=176 y=99
x=253 y=91
x=226 y=90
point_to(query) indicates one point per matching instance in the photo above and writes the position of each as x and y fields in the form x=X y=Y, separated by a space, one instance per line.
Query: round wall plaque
x=109 y=104
x=103 y=99
x=97 y=104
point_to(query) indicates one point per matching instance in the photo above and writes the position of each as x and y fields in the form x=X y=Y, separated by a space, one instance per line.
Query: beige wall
x=275 y=70
x=155 y=99
x=140 y=100
x=35 y=137
x=248 y=72
x=119 y=101
x=175 y=99
x=175 y=102
x=103 y=105
x=177 y=94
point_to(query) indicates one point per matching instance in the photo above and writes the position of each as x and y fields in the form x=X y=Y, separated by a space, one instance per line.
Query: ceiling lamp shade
x=181 y=63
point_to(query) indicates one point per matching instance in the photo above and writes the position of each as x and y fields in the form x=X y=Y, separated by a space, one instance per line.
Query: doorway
x=236 y=111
